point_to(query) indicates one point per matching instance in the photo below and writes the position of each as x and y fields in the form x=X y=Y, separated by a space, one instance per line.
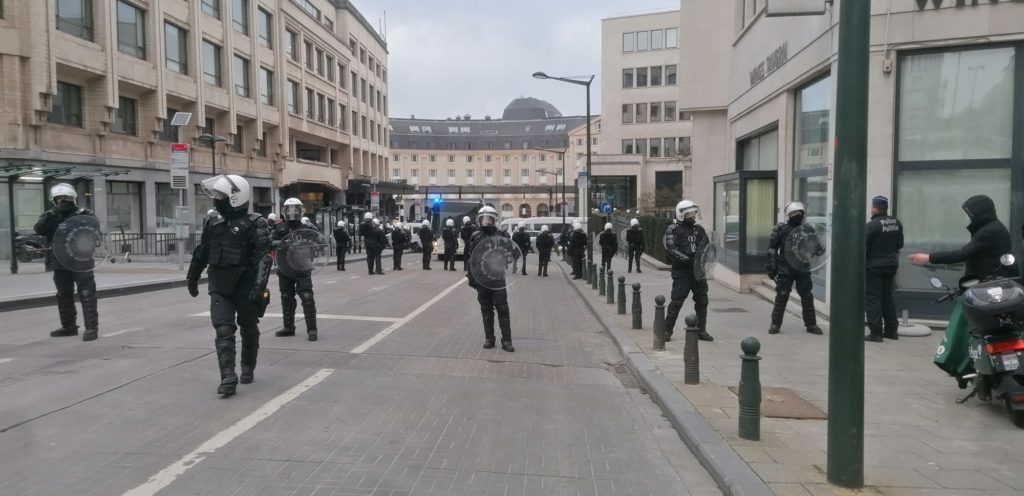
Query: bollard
x=611 y=287
x=691 y=351
x=622 y=295
x=750 y=391
x=659 y=323
x=586 y=271
x=593 y=276
x=600 y=281
x=638 y=322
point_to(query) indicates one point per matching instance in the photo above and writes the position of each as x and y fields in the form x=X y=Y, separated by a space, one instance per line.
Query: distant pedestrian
x=342 y=239
x=609 y=246
x=884 y=241
x=635 y=244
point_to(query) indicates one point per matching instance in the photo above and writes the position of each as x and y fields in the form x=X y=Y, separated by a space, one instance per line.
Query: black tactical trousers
x=606 y=259
x=342 y=250
x=304 y=288
x=396 y=254
x=373 y=254
x=465 y=258
x=515 y=263
x=683 y=283
x=427 y=252
x=65 y=281
x=804 y=287
x=449 y=257
x=634 y=253
x=490 y=301
x=225 y=310
x=879 y=303
x=543 y=259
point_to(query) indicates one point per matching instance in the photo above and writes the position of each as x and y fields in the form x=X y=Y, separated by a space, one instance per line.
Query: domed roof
x=529 y=108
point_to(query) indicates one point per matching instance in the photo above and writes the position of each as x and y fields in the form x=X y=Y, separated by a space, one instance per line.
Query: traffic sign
x=375 y=200
x=374 y=180
x=605 y=208
x=179 y=155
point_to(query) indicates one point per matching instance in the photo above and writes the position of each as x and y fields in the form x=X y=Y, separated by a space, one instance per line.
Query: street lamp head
x=540 y=75
x=210 y=137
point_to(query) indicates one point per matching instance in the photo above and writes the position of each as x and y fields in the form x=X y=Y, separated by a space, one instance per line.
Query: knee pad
x=85 y=294
x=700 y=300
x=225 y=332
x=304 y=285
x=306 y=295
x=783 y=293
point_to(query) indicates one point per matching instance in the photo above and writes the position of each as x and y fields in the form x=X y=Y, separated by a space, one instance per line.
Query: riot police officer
x=341 y=240
x=545 y=242
x=235 y=246
x=451 y=244
x=399 y=239
x=522 y=239
x=368 y=231
x=577 y=249
x=635 y=244
x=64 y=198
x=491 y=300
x=381 y=231
x=609 y=246
x=466 y=233
x=785 y=274
x=683 y=240
x=301 y=283
x=884 y=242
x=426 y=242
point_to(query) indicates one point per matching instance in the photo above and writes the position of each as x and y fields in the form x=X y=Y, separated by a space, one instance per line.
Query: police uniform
x=373 y=246
x=682 y=241
x=577 y=249
x=635 y=246
x=341 y=240
x=427 y=243
x=451 y=245
x=399 y=239
x=786 y=275
x=491 y=300
x=545 y=242
x=522 y=239
x=66 y=280
x=301 y=285
x=609 y=246
x=466 y=233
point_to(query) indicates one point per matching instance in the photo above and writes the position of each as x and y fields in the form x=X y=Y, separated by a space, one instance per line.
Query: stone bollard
x=593 y=276
x=622 y=295
x=586 y=271
x=611 y=287
x=659 y=323
x=600 y=281
x=638 y=322
x=691 y=351
x=750 y=391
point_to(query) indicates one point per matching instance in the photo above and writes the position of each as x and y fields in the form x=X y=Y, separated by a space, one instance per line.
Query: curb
x=733 y=476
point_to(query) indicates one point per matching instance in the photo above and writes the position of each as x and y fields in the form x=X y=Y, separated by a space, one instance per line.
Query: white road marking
x=118 y=333
x=5 y=360
x=393 y=327
x=330 y=282
x=353 y=277
x=321 y=316
x=171 y=473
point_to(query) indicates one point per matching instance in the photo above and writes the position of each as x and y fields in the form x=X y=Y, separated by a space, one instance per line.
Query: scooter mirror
x=1007 y=260
x=936 y=283
x=970 y=283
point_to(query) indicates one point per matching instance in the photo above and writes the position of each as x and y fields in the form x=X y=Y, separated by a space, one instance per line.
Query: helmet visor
x=218 y=187
x=291 y=212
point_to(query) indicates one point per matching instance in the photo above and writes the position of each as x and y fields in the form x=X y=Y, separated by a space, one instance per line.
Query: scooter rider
x=451 y=244
x=682 y=240
x=235 y=245
x=635 y=242
x=522 y=239
x=426 y=242
x=466 y=233
x=990 y=240
x=545 y=242
x=64 y=198
x=302 y=285
x=341 y=240
x=609 y=246
x=786 y=275
x=491 y=300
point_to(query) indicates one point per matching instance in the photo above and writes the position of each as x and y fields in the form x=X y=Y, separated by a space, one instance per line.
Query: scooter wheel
x=1016 y=415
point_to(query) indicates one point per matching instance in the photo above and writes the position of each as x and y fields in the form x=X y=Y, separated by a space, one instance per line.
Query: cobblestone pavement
x=423 y=411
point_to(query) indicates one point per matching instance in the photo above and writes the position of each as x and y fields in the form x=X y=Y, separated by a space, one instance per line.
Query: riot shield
x=302 y=252
x=490 y=262
x=79 y=245
x=706 y=257
x=807 y=247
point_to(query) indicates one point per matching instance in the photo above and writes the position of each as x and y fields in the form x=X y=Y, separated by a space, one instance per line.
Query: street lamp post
x=582 y=81
x=213 y=146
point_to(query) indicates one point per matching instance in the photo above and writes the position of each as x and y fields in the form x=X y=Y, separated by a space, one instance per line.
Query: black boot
x=68 y=316
x=704 y=336
x=250 y=349
x=774 y=329
x=873 y=338
x=225 y=345
x=489 y=342
x=285 y=331
x=63 y=332
x=507 y=346
x=90 y=334
x=311 y=334
x=247 y=374
x=814 y=329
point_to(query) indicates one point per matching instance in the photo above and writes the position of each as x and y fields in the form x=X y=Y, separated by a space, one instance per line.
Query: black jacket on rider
x=990 y=240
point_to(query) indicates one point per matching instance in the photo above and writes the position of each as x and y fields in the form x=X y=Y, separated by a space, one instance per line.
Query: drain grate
x=729 y=310
x=535 y=343
x=622 y=373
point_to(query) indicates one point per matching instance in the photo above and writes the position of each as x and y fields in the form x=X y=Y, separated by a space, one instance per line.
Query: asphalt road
x=397 y=397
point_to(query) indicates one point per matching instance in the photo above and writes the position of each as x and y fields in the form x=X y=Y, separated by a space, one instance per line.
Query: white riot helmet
x=272 y=217
x=486 y=216
x=544 y=228
x=634 y=222
x=608 y=226
x=522 y=225
x=793 y=207
x=685 y=207
x=212 y=213
x=376 y=222
x=367 y=216
x=466 y=219
x=231 y=190
x=577 y=225
x=449 y=223
x=305 y=221
x=293 y=210
x=398 y=225
x=63 y=189
x=426 y=223
x=341 y=223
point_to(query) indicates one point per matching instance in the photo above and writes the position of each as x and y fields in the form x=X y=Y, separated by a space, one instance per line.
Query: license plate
x=1010 y=362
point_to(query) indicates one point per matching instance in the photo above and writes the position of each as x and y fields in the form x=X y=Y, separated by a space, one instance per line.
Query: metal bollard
x=593 y=276
x=659 y=323
x=600 y=281
x=622 y=295
x=638 y=322
x=750 y=391
x=611 y=287
x=691 y=352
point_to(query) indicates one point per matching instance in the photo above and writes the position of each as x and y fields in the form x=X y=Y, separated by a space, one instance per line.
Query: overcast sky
x=454 y=57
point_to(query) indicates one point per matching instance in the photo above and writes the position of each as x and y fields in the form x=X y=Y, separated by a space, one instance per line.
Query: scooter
x=994 y=310
x=29 y=247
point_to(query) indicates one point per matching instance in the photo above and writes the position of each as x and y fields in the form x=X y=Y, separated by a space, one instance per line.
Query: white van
x=533 y=225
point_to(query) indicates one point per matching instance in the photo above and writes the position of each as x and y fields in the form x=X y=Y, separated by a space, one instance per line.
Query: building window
x=342 y=115
x=241 y=76
x=469 y=159
x=641 y=77
x=627 y=78
x=507 y=159
x=655 y=111
x=488 y=173
x=627 y=147
x=209 y=127
x=543 y=158
x=124 y=206
x=656 y=75
x=760 y=152
x=211 y=7
x=237 y=140
x=342 y=69
x=640 y=146
x=669 y=147
x=671 y=38
x=330 y=112
x=175 y=48
x=240 y=16
x=657 y=39
x=170 y=133
x=329 y=62
x=67 y=105
x=211 y=63
x=131 y=30
x=291 y=40
x=265 y=26
x=266 y=86
x=321 y=108
x=363 y=127
x=362 y=89
x=310 y=57
x=641 y=112
x=396 y=173
x=627 y=42
x=124 y=117
x=294 y=100
x=414 y=172
x=395 y=158
x=432 y=172
x=470 y=173
x=655 y=147
x=641 y=41
x=670 y=74
x=670 y=111
x=74 y=17
x=261 y=145
x=451 y=159
x=685 y=116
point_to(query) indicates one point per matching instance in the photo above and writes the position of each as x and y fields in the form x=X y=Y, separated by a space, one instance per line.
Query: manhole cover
x=785 y=403
x=729 y=310
x=535 y=342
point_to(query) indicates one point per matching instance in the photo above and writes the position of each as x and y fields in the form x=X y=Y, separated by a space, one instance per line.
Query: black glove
x=680 y=256
x=773 y=275
x=193 y=287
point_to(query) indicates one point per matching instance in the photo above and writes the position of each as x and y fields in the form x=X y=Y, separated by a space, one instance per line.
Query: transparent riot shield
x=706 y=257
x=80 y=245
x=491 y=261
x=807 y=247
x=302 y=253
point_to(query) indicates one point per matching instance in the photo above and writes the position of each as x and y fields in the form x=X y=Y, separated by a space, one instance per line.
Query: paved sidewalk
x=918 y=441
